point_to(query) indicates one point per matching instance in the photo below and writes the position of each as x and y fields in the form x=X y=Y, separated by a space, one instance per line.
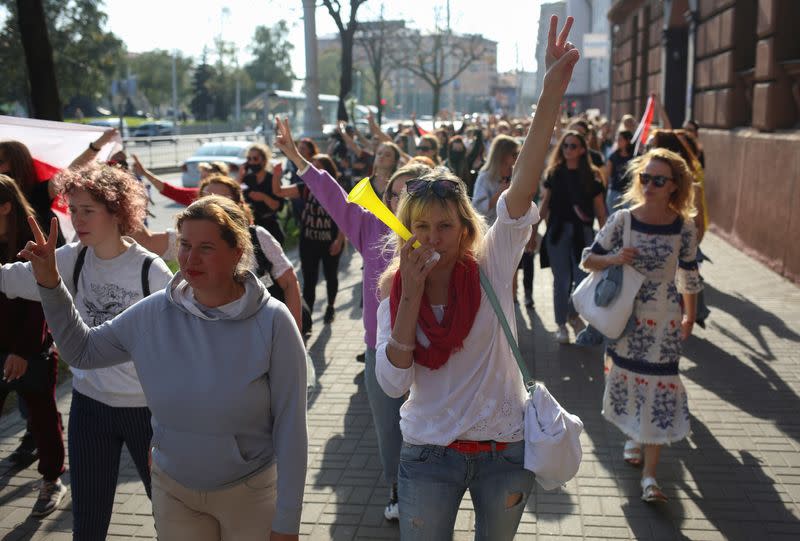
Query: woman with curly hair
x=644 y=396
x=105 y=273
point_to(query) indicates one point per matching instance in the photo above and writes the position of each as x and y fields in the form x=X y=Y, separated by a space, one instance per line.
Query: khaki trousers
x=241 y=512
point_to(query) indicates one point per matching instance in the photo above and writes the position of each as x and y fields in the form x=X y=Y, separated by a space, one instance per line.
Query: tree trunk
x=346 y=81
x=45 y=102
x=379 y=102
x=437 y=92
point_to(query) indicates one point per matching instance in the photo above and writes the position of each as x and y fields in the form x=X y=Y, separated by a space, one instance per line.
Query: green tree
x=271 y=56
x=153 y=71
x=86 y=57
x=202 y=104
x=330 y=70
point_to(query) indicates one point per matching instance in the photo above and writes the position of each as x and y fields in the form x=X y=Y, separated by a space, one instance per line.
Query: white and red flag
x=53 y=146
x=643 y=129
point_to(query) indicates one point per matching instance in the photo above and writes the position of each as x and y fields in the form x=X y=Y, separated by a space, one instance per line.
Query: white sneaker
x=50 y=495
x=577 y=324
x=392 y=510
x=562 y=335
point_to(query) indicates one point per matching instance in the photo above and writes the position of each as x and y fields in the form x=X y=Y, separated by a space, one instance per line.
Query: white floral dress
x=644 y=395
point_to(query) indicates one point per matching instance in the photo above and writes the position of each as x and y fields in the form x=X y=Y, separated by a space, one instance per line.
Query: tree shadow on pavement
x=762 y=393
x=350 y=467
x=733 y=493
x=752 y=317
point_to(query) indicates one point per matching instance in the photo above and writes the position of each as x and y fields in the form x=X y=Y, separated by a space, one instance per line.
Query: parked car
x=112 y=122
x=154 y=129
x=233 y=153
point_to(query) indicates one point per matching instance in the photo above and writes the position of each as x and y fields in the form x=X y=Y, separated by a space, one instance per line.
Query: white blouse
x=479 y=393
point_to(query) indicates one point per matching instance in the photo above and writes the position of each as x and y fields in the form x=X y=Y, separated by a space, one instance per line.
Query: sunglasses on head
x=570 y=146
x=658 y=180
x=441 y=188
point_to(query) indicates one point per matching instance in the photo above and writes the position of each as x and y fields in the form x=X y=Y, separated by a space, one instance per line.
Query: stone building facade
x=734 y=66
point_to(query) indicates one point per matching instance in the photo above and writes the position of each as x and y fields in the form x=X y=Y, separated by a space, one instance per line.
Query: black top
x=261 y=211
x=619 y=180
x=568 y=195
x=40 y=201
x=596 y=157
x=316 y=225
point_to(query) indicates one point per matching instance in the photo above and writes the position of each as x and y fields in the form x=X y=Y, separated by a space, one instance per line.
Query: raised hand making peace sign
x=561 y=55
x=42 y=254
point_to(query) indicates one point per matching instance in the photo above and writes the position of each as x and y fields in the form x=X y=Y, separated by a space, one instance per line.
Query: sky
x=188 y=26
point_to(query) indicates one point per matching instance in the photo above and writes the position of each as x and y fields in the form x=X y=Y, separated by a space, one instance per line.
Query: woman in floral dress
x=644 y=396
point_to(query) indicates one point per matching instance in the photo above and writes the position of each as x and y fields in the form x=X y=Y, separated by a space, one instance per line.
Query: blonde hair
x=237 y=195
x=502 y=146
x=412 y=170
x=234 y=227
x=411 y=208
x=682 y=200
x=262 y=149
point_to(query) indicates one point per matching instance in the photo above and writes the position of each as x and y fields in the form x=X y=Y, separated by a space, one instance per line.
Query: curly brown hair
x=120 y=192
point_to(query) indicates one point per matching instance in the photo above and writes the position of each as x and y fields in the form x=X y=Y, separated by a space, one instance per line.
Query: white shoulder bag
x=552 y=434
x=605 y=298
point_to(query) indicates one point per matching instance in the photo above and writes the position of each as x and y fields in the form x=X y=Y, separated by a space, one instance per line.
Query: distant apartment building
x=469 y=91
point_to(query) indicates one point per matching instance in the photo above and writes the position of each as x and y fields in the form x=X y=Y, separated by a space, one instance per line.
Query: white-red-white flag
x=53 y=146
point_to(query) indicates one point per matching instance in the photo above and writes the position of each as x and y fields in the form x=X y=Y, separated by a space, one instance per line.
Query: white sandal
x=632 y=453
x=651 y=492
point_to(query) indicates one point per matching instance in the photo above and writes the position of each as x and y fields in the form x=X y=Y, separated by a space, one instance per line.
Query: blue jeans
x=566 y=273
x=386 y=418
x=614 y=198
x=433 y=481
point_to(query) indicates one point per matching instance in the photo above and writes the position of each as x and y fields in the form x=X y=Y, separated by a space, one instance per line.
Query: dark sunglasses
x=441 y=188
x=570 y=146
x=658 y=180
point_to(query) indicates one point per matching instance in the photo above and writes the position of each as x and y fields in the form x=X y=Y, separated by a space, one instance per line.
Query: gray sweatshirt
x=226 y=386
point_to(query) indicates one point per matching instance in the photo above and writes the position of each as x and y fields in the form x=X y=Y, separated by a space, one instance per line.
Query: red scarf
x=463 y=300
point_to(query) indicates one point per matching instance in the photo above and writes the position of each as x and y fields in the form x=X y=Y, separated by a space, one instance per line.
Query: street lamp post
x=312 y=120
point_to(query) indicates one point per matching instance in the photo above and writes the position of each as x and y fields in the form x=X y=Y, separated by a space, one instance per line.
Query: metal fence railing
x=172 y=150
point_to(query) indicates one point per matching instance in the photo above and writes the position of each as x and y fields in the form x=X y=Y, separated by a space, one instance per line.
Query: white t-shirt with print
x=106 y=287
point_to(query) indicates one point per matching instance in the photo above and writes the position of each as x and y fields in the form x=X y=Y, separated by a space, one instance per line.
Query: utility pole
x=174 y=91
x=312 y=119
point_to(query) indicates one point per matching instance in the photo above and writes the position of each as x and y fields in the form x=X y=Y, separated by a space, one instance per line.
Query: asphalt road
x=163 y=208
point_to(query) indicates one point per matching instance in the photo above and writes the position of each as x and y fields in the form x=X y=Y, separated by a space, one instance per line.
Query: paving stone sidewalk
x=736 y=477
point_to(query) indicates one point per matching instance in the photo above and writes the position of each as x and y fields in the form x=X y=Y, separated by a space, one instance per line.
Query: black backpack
x=264 y=266
x=148 y=261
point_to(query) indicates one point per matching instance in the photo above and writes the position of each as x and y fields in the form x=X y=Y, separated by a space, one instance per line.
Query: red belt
x=471 y=447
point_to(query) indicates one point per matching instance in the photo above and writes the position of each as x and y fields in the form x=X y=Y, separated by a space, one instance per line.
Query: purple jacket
x=366 y=233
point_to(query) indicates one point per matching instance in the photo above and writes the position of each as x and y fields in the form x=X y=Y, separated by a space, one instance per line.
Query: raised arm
x=350 y=217
x=560 y=60
x=281 y=190
x=79 y=345
x=91 y=151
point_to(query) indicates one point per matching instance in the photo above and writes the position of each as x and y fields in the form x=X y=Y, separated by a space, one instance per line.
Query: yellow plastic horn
x=362 y=194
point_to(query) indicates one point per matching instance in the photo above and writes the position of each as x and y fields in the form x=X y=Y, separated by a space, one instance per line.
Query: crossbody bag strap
x=487 y=287
x=626 y=228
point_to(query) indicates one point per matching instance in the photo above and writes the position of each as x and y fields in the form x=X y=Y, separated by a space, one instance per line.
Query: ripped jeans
x=433 y=480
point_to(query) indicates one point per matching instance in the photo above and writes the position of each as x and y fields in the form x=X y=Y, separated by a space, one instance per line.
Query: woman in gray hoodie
x=228 y=398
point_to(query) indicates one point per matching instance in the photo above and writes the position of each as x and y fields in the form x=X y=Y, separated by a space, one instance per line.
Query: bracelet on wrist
x=399 y=346
x=92 y=147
